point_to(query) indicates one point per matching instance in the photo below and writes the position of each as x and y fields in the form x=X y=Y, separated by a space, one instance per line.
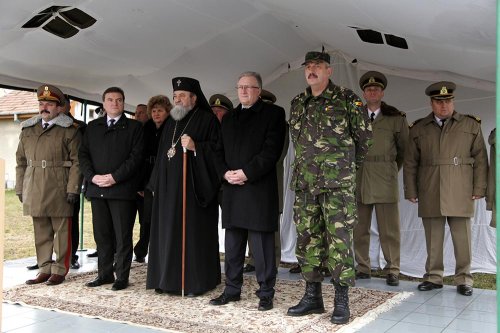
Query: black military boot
x=311 y=302
x=341 y=312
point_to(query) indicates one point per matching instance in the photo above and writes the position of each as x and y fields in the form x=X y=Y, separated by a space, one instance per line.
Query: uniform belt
x=449 y=161
x=49 y=164
x=380 y=158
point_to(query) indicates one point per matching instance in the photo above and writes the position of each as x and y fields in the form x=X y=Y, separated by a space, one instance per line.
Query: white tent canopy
x=141 y=45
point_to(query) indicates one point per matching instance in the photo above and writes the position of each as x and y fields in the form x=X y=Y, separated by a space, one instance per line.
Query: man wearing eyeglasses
x=253 y=135
x=331 y=138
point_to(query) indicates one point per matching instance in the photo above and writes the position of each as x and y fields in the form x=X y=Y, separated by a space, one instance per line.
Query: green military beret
x=373 y=78
x=441 y=90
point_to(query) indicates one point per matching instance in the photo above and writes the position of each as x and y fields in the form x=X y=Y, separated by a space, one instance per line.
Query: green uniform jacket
x=331 y=136
x=377 y=179
x=445 y=168
x=47 y=166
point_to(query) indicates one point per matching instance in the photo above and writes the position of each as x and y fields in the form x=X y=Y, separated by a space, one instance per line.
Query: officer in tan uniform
x=48 y=182
x=445 y=170
x=377 y=180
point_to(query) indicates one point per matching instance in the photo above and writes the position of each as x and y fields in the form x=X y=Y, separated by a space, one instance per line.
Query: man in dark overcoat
x=111 y=156
x=253 y=135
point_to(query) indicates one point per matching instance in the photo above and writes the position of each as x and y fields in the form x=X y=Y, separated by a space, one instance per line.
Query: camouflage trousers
x=325 y=225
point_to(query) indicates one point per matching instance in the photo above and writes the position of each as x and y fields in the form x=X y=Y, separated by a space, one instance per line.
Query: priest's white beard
x=178 y=112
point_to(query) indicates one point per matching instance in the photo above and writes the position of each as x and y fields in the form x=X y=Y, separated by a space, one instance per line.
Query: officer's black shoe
x=362 y=276
x=311 y=302
x=119 y=285
x=32 y=267
x=224 y=299
x=248 y=268
x=464 y=289
x=92 y=255
x=341 y=311
x=265 y=303
x=75 y=264
x=392 y=280
x=427 y=285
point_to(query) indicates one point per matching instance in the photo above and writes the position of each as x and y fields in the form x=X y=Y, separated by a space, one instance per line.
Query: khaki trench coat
x=377 y=178
x=47 y=166
x=445 y=168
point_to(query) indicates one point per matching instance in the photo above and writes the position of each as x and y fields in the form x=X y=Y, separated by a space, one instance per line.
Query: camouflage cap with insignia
x=220 y=101
x=441 y=90
x=316 y=56
x=267 y=96
x=373 y=78
x=47 y=92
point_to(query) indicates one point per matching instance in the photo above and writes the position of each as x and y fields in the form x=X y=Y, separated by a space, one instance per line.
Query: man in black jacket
x=253 y=136
x=112 y=155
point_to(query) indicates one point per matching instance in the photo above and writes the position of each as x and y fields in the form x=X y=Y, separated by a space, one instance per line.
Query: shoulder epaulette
x=476 y=118
x=402 y=114
x=416 y=121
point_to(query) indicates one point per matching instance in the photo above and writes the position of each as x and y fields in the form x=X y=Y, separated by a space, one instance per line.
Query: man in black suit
x=253 y=136
x=111 y=153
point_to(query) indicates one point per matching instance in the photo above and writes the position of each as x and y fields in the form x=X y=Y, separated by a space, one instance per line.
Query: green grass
x=19 y=240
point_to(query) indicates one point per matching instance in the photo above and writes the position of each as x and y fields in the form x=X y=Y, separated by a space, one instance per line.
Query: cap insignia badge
x=217 y=101
x=443 y=91
x=371 y=79
x=46 y=91
x=178 y=82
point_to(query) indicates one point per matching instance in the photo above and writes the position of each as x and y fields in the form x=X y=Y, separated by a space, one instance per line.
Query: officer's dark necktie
x=372 y=117
x=111 y=123
x=442 y=122
x=45 y=126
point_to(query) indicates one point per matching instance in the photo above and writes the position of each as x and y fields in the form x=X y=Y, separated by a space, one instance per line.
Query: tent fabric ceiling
x=141 y=45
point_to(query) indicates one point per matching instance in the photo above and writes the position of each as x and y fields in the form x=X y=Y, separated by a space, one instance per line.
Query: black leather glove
x=71 y=198
x=20 y=196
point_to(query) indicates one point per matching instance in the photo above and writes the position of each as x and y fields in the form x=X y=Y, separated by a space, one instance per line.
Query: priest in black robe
x=191 y=125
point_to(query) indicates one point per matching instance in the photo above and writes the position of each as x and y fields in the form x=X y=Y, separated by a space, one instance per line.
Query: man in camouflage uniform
x=445 y=170
x=377 y=180
x=331 y=138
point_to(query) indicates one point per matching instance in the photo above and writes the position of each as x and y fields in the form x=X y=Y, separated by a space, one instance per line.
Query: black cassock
x=203 y=271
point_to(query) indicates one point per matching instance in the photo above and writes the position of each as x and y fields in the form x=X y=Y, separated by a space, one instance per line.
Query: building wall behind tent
x=408 y=95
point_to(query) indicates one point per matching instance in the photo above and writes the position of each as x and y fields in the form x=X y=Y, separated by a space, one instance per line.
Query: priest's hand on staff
x=187 y=142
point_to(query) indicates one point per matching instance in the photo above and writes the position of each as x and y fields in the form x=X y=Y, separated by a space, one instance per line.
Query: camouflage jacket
x=331 y=137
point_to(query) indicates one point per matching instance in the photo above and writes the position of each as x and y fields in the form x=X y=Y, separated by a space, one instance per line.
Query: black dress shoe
x=224 y=299
x=362 y=276
x=119 y=285
x=100 y=281
x=392 y=280
x=265 y=303
x=427 y=285
x=248 y=268
x=464 y=289
x=32 y=267
x=140 y=259
x=159 y=291
x=75 y=264
x=92 y=255
x=295 y=269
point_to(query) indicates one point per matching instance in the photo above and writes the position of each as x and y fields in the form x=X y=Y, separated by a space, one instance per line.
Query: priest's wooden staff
x=184 y=176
